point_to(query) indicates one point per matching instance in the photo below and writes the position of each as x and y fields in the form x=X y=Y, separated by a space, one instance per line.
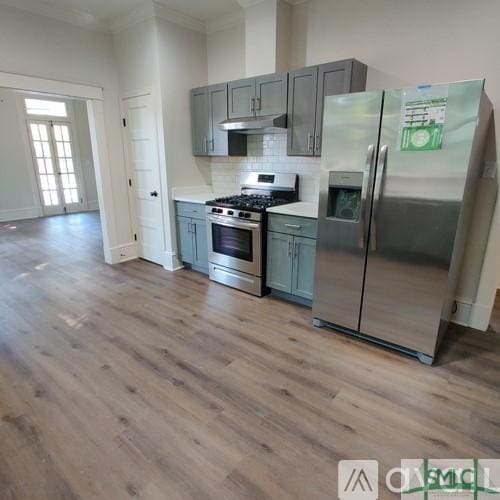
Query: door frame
x=94 y=99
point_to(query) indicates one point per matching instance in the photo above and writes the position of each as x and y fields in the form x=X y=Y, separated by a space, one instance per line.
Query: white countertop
x=200 y=198
x=299 y=209
x=196 y=194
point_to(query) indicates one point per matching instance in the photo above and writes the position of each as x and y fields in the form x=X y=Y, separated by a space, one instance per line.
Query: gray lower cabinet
x=307 y=89
x=192 y=237
x=290 y=258
x=304 y=257
x=200 y=244
x=279 y=261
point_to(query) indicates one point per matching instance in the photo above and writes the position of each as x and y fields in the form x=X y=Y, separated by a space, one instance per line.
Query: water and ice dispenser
x=344 y=195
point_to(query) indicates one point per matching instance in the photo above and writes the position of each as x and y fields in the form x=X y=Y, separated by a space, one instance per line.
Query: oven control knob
x=241 y=214
x=230 y=212
x=219 y=210
x=214 y=210
x=247 y=215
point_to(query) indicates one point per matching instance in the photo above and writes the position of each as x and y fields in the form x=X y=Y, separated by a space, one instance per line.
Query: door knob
x=154 y=193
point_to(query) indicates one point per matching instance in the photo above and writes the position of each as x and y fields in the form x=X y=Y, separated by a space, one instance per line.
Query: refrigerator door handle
x=367 y=180
x=376 y=195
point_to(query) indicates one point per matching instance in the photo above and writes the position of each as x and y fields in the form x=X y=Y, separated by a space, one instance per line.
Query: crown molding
x=142 y=13
x=166 y=13
x=244 y=4
x=149 y=10
x=72 y=16
x=226 y=22
x=157 y=10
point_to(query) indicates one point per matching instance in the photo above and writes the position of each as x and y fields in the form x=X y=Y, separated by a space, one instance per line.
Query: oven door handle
x=228 y=222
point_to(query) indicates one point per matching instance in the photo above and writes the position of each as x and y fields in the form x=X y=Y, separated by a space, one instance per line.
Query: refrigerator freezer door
x=350 y=137
x=417 y=201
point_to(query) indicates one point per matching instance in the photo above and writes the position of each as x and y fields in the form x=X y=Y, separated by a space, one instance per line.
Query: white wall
x=18 y=192
x=169 y=60
x=40 y=46
x=82 y=133
x=226 y=54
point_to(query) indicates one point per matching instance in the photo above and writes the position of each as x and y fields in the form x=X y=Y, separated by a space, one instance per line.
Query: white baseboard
x=472 y=314
x=480 y=316
x=124 y=252
x=462 y=314
x=20 y=213
x=92 y=205
x=171 y=262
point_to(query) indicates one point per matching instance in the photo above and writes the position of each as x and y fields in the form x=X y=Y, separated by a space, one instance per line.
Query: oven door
x=235 y=244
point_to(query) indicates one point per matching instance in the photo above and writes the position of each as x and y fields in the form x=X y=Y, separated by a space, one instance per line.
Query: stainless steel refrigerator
x=398 y=176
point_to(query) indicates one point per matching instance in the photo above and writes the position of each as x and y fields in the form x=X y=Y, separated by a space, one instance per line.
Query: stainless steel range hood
x=270 y=124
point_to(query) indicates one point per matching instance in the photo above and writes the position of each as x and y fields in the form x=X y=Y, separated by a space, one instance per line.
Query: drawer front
x=193 y=210
x=288 y=224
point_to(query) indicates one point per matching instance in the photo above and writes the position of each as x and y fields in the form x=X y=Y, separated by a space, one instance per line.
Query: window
x=45 y=108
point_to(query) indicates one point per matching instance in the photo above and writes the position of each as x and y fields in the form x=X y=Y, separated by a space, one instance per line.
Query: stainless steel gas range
x=237 y=226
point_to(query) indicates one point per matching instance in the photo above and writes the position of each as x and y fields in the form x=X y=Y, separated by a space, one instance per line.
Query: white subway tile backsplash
x=266 y=153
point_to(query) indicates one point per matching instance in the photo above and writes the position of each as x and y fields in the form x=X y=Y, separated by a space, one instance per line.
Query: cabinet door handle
x=252 y=104
x=309 y=141
x=289 y=248
x=295 y=249
x=317 y=142
x=293 y=226
x=206 y=145
x=258 y=103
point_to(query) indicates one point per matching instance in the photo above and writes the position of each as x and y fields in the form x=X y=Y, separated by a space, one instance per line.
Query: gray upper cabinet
x=241 y=98
x=271 y=94
x=307 y=89
x=217 y=112
x=199 y=121
x=302 y=93
x=335 y=78
x=261 y=96
x=208 y=110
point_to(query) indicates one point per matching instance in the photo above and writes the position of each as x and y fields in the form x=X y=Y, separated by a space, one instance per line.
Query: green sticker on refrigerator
x=422 y=122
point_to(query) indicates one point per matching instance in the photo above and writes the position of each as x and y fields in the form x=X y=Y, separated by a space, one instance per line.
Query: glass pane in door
x=44 y=162
x=66 y=167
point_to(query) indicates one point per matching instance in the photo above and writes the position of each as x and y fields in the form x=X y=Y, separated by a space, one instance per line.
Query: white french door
x=52 y=147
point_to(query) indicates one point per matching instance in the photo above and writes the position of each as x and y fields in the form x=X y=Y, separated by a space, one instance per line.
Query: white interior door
x=142 y=154
x=54 y=163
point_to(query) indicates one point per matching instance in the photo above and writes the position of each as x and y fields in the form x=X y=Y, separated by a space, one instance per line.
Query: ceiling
x=100 y=13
